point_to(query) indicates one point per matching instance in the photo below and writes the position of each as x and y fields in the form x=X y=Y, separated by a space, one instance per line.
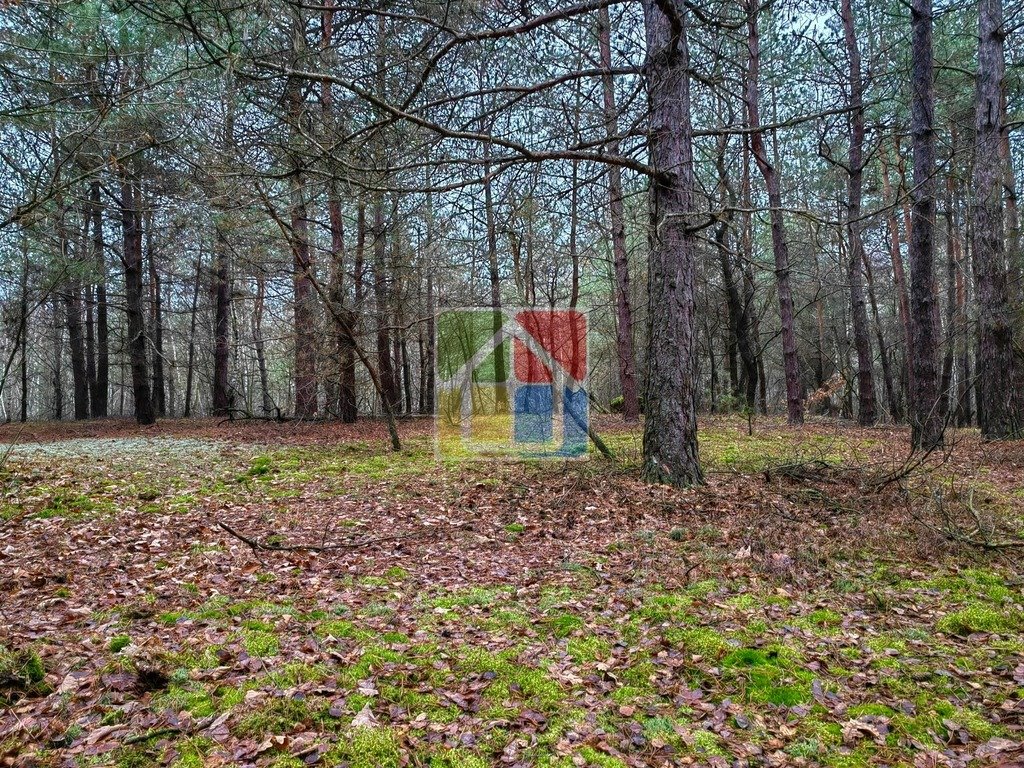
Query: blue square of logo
x=533 y=416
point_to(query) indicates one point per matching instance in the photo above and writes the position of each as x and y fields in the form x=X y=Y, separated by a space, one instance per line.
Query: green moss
x=260 y=466
x=185 y=698
x=515 y=528
x=456 y=758
x=664 y=608
x=870 y=709
x=600 y=759
x=192 y=752
x=260 y=643
x=513 y=680
x=697 y=640
x=471 y=597
x=979 y=617
x=339 y=628
x=704 y=588
x=770 y=675
x=119 y=643
x=295 y=673
x=820 y=619
x=280 y=715
x=708 y=743
x=564 y=624
x=744 y=602
x=21 y=672
x=588 y=649
x=367 y=748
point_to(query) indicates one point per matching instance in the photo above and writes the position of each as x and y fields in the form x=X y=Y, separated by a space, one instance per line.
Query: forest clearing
x=523 y=383
x=807 y=606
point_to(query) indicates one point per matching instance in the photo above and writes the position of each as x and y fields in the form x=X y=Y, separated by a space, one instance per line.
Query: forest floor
x=818 y=602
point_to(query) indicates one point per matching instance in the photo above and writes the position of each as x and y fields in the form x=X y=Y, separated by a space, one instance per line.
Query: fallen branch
x=257 y=545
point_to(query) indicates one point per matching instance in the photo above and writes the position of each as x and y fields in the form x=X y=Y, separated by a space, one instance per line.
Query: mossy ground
x=549 y=615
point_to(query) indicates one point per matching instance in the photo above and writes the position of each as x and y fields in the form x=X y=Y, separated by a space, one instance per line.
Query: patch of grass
x=367 y=748
x=666 y=607
x=821 y=621
x=260 y=643
x=979 y=617
x=708 y=743
x=260 y=466
x=471 y=597
x=770 y=675
x=515 y=528
x=697 y=640
x=119 y=643
x=564 y=624
x=185 y=698
x=588 y=649
x=513 y=680
x=340 y=628
x=21 y=673
x=456 y=758
x=279 y=715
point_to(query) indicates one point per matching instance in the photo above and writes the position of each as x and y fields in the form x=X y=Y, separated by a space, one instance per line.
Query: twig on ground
x=257 y=545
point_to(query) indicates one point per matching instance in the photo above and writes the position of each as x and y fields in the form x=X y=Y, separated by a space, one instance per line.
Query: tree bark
x=739 y=306
x=670 y=429
x=1003 y=415
x=791 y=363
x=99 y=392
x=131 y=255
x=616 y=209
x=221 y=291
x=385 y=364
x=866 y=414
x=156 y=321
x=304 y=317
x=925 y=418
x=72 y=296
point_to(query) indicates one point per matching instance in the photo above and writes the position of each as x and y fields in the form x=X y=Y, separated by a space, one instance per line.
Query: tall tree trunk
x=616 y=209
x=925 y=418
x=221 y=322
x=428 y=363
x=304 y=310
x=190 y=372
x=854 y=226
x=494 y=278
x=57 y=346
x=998 y=380
x=946 y=384
x=266 y=401
x=892 y=395
x=670 y=428
x=791 y=363
x=899 y=277
x=100 y=391
x=90 y=307
x=131 y=255
x=73 y=317
x=739 y=307
x=23 y=329
x=156 y=321
x=385 y=364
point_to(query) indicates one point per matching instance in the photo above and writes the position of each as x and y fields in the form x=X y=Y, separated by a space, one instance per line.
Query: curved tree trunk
x=791 y=363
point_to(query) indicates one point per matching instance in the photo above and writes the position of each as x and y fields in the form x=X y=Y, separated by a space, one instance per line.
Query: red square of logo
x=562 y=334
